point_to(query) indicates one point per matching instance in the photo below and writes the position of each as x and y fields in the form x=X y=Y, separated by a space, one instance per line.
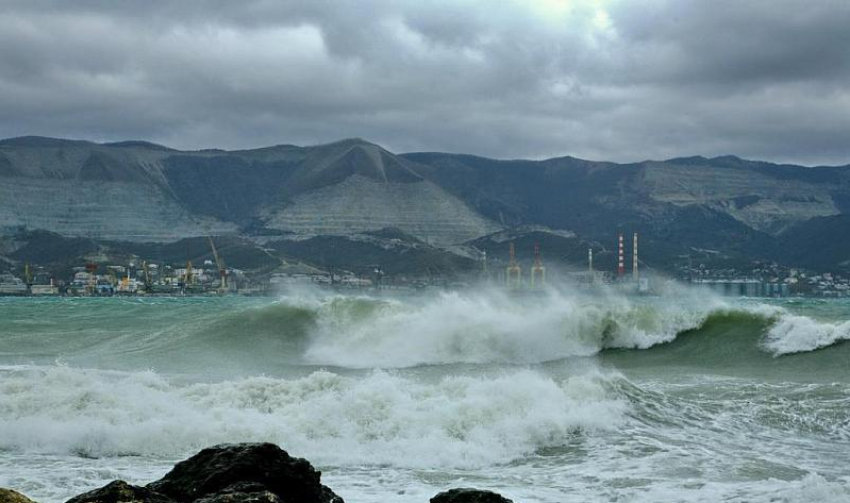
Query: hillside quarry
x=139 y=193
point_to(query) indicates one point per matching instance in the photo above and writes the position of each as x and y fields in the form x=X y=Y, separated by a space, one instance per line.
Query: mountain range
x=352 y=203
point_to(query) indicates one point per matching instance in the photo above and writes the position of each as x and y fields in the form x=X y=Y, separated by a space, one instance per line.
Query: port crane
x=513 y=273
x=147 y=272
x=538 y=272
x=219 y=262
x=189 y=277
x=28 y=277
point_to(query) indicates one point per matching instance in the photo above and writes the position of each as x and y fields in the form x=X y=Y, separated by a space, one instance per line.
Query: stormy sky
x=599 y=79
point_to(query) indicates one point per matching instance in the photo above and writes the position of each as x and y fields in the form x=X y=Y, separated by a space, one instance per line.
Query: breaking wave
x=469 y=328
x=429 y=387
x=248 y=336
x=377 y=418
x=800 y=334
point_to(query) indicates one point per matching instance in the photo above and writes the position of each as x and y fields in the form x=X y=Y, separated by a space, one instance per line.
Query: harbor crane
x=147 y=272
x=538 y=272
x=219 y=262
x=513 y=273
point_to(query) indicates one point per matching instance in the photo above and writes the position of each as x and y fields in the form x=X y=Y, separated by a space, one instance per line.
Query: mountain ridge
x=137 y=191
x=34 y=139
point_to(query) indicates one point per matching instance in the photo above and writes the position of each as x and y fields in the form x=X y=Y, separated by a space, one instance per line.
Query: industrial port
x=141 y=277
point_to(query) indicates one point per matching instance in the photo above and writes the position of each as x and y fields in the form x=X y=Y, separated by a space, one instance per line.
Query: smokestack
x=635 y=275
x=621 y=261
x=590 y=259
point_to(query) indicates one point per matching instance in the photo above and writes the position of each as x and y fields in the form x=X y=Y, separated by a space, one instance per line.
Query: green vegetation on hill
x=85 y=197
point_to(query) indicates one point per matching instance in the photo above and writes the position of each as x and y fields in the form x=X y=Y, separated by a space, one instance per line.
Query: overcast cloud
x=599 y=79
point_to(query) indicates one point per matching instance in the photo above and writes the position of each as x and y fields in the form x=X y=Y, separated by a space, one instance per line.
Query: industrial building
x=744 y=287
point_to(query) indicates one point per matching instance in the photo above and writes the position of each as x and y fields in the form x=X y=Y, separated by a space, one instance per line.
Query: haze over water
x=558 y=398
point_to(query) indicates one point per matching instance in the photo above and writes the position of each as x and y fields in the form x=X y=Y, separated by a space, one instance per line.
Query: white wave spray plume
x=380 y=418
x=480 y=326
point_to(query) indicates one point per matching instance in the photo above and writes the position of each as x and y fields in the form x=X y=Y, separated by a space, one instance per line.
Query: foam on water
x=495 y=328
x=510 y=393
x=380 y=418
x=798 y=334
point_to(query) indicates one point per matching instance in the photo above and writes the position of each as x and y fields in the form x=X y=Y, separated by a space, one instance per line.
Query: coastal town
x=767 y=280
x=146 y=278
x=137 y=279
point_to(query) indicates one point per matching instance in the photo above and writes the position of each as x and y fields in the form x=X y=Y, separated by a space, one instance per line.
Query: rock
x=220 y=472
x=10 y=496
x=119 y=491
x=242 y=492
x=466 y=495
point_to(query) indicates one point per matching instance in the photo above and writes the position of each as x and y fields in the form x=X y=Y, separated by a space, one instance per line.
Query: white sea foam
x=797 y=334
x=589 y=437
x=492 y=328
x=379 y=418
x=812 y=488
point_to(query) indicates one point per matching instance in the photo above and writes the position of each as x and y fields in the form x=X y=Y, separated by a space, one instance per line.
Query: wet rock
x=10 y=496
x=224 y=472
x=119 y=491
x=466 y=495
x=243 y=492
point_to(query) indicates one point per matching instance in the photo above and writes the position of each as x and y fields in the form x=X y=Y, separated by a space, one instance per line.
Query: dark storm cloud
x=604 y=79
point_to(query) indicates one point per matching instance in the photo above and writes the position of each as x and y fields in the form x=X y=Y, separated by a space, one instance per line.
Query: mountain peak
x=138 y=144
x=331 y=163
x=348 y=142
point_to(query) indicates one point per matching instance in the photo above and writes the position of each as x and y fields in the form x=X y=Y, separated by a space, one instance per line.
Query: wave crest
x=797 y=334
x=377 y=418
x=475 y=328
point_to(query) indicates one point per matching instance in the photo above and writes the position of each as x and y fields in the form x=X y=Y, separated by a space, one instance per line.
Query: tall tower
x=538 y=272
x=621 y=261
x=590 y=260
x=514 y=272
x=222 y=269
x=635 y=274
x=91 y=268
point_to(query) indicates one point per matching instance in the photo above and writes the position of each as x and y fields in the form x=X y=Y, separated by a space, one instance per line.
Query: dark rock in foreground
x=119 y=491
x=239 y=473
x=10 y=496
x=465 y=495
x=258 y=472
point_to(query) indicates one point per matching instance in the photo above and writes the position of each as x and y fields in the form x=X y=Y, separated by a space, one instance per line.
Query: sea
x=565 y=396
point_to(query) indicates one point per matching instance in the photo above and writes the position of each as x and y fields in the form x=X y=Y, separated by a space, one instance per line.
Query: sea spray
x=797 y=334
x=481 y=327
x=562 y=396
x=380 y=418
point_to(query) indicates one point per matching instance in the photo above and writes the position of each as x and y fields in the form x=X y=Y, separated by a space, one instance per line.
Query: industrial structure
x=91 y=288
x=621 y=261
x=538 y=272
x=219 y=262
x=513 y=272
x=635 y=275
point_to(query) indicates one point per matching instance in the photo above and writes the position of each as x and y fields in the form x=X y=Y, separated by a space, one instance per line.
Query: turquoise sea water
x=563 y=397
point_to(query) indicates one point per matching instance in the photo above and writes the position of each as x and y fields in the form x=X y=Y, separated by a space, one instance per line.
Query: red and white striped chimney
x=621 y=261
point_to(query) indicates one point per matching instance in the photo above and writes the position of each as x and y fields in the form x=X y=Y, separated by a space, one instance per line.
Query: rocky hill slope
x=138 y=192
